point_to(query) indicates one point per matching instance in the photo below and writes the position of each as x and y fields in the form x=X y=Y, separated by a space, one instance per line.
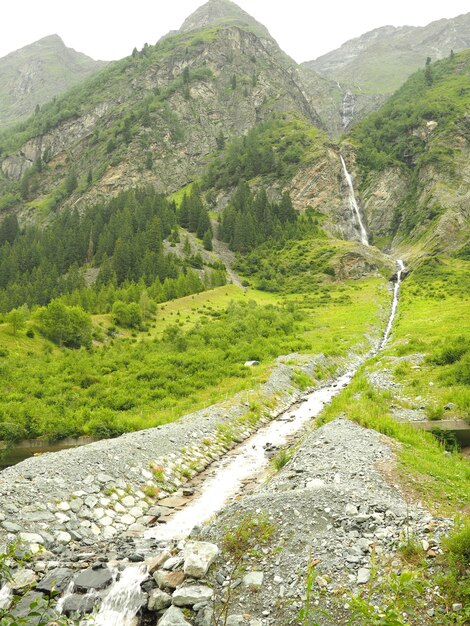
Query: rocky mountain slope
x=413 y=157
x=156 y=116
x=36 y=73
x=371 y=67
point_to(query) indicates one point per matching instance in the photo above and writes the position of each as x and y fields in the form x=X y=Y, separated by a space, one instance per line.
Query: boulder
x=188 y=595
x=173 y=617
x=158 y=600
x=198 y=557
x=154 y=563
x=22 y=579
x=22 y=611
x=55 y=581
x=79 y=604
x=91 y=579
x=363 y=576
x=168 y=580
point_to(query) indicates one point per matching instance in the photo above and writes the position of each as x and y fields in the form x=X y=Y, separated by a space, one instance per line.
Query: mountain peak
x=220 y=12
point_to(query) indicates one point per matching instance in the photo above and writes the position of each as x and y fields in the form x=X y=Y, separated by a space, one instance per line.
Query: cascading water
x=124 y=599
x=353 y=204
x=396 y=292
x=248 y=461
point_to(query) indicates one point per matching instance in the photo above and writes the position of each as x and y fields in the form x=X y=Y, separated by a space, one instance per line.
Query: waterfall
x=123 y=601
x=396 y=291
x=353 y=204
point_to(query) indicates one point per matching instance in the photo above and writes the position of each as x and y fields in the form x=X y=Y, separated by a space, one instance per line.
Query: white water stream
x=124 y=599
x=353 y=204
x=246 y=462
x=396 y=293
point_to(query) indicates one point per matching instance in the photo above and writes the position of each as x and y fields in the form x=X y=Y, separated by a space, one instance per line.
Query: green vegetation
x=122 y=239
x=272 y=149
x=190 y=357
x=397 y=134
x=433 y=312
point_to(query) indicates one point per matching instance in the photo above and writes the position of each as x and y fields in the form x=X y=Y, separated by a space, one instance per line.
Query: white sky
x=305 y=29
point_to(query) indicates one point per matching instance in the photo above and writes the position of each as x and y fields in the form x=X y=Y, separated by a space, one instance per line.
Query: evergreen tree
x=204 y=223
x=207 y=240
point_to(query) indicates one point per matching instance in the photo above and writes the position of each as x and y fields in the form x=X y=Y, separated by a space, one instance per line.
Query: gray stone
x=188 y=595
x=198 y=557
x=22 y=579
x=254 y=580
x=31 y=538
x=22 y=611
x=363 y=576
x=80 y=604
x=55 y=581
x=11 y=527
x=205 y=617
x=173 y=617
x=93 y=579
x=158 y=600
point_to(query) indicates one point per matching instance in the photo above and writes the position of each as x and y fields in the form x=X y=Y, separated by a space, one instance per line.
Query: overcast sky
x=305 y=29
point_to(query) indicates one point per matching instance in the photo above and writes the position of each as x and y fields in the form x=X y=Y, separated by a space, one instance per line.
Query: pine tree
x=207 y=240
x=204 y=223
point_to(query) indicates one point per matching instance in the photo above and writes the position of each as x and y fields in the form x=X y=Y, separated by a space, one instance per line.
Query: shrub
x=68 y=326
x=127 y=315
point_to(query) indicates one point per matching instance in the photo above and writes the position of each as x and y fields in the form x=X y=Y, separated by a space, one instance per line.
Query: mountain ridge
x=34 y=74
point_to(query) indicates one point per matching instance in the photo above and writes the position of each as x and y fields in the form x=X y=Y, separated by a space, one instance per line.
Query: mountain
x=34 y=74
x=156 y=116
x=413 y=160
x=217 y=12
x=371 y=67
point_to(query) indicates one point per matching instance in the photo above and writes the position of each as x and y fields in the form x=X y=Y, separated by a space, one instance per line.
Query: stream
x=226 y=480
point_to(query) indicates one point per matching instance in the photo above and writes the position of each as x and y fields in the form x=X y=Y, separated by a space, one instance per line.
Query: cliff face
x=36 y=73
x=158 y=115
x=373 y=66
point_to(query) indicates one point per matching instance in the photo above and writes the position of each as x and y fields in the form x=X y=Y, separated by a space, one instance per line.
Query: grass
x=190 y=357
x=425 y=323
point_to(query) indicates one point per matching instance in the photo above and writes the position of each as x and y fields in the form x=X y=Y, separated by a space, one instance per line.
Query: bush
x=65 y=325
x=127 y=315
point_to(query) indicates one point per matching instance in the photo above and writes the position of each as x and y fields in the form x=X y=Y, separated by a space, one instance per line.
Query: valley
x=236 y=306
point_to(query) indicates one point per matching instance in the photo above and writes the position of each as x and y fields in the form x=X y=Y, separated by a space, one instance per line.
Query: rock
x=251 y=363
x=363 y=576
x=457 y=607
x=158 y=600
x=188 y=595
x=78 y=603
x=135 y=557
x=128 y=501
x=350 y=509
x=56 y=581
x=168 y=580
x=22 y=611
x=173 y=563
x=63 y=537
x=173 y=617
x=198 y=557
x=253 y=580
x=93 y=579
x=63 y=506
x=10 y=527
x=31 y=538
x=22 y=579
x=156 y=562
x=205 y=617
x=316 y=483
